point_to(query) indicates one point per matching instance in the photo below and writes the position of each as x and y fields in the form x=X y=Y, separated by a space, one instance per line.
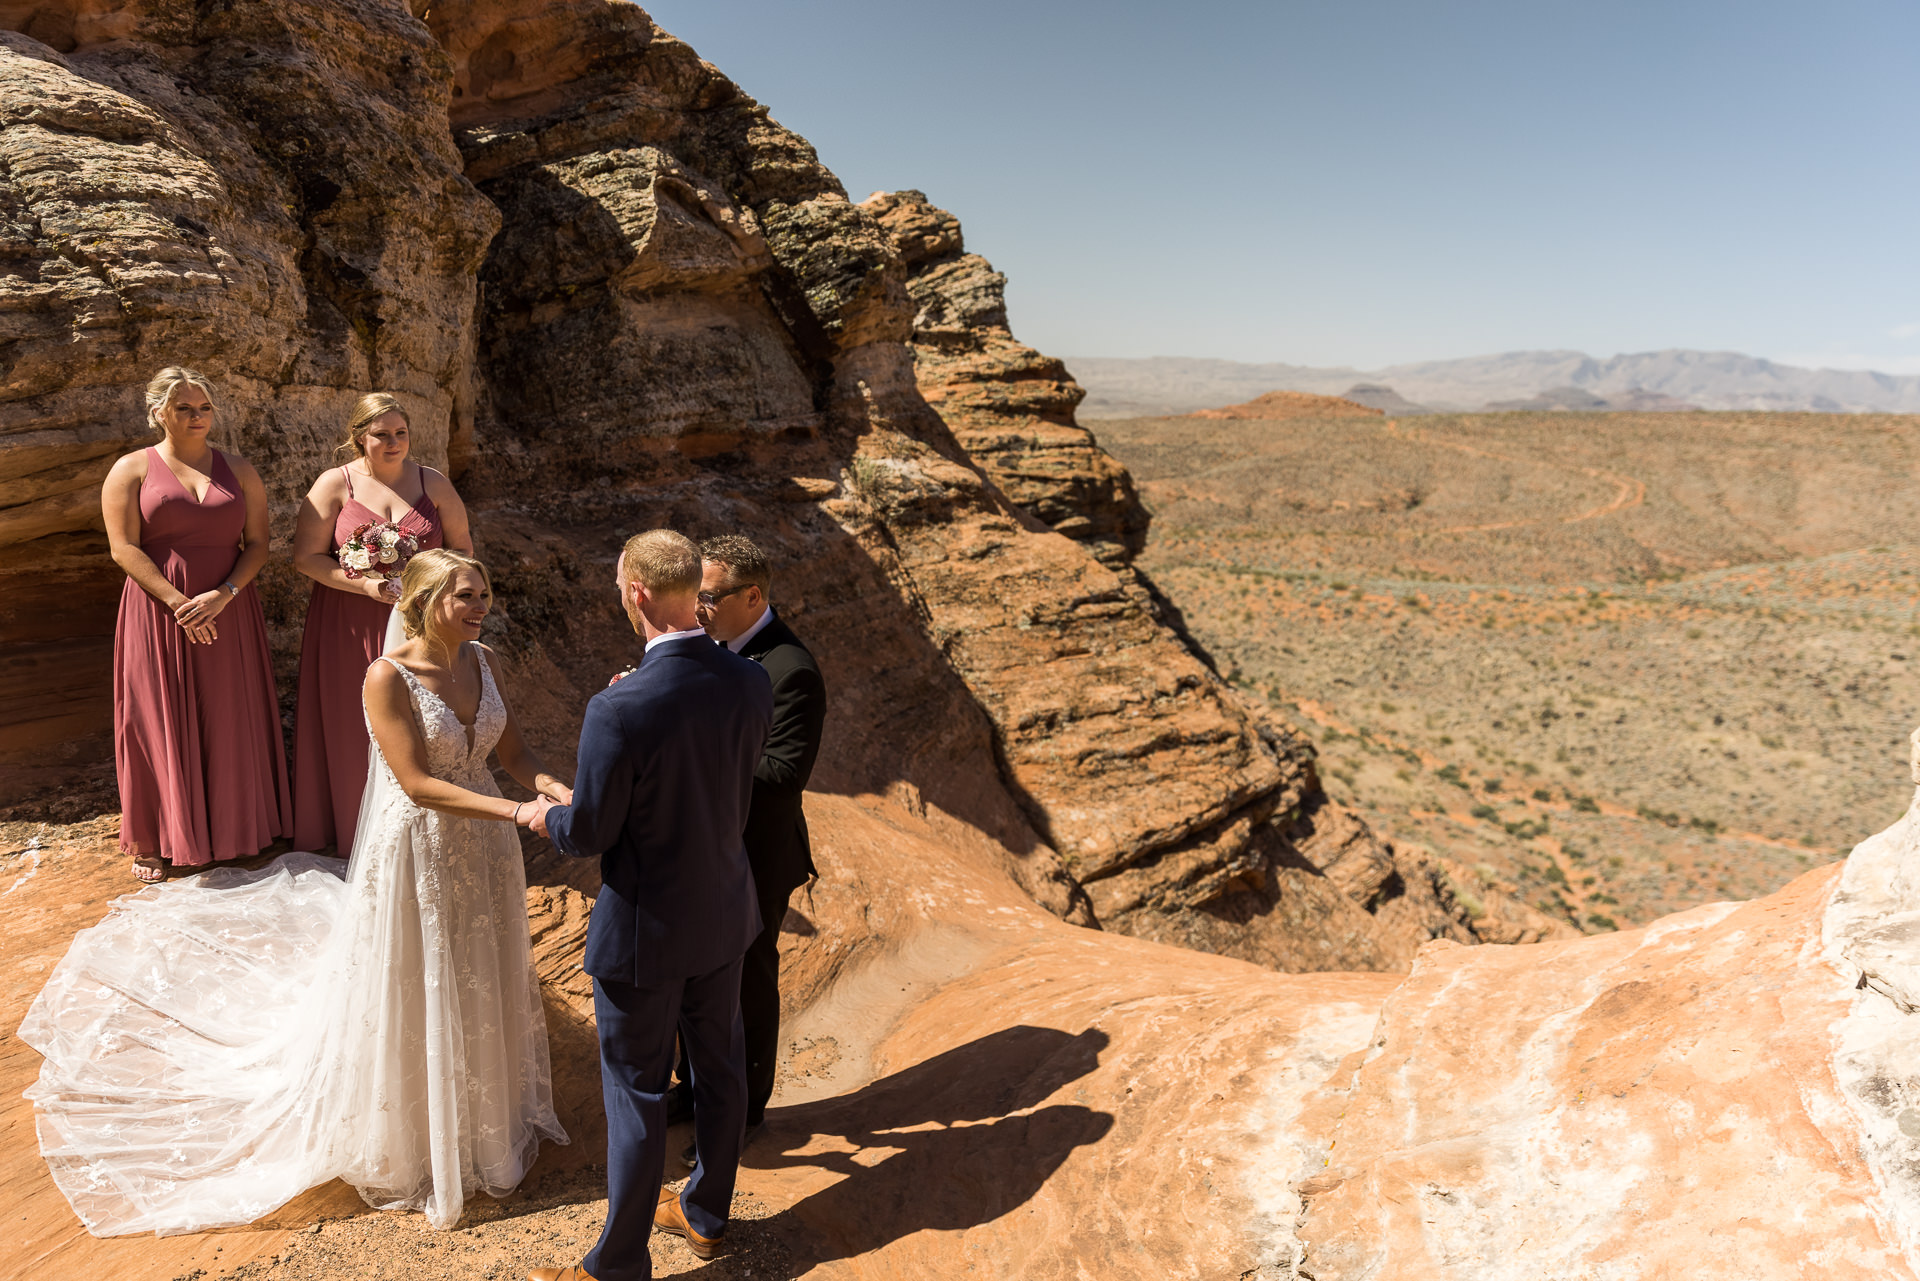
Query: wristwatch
x=231 y=589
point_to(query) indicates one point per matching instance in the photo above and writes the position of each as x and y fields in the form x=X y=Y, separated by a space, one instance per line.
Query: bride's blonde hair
x=426 y=579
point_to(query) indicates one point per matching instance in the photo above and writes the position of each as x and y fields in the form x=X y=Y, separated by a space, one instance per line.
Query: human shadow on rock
x=952 y=1142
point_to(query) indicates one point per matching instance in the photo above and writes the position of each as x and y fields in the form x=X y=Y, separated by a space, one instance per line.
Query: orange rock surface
x=619 y=295
x=1292 y=404
x=1656 y=1102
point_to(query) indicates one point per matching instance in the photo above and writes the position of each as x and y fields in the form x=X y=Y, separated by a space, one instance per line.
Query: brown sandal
x=149 y=868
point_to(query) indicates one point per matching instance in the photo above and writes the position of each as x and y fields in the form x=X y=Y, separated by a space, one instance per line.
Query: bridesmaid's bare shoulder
x=128 y=467
x=330 y=487
x=438 y=487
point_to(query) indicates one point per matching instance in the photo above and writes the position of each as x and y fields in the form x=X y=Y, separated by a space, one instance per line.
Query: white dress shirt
x=674 y=636
x=739 y=642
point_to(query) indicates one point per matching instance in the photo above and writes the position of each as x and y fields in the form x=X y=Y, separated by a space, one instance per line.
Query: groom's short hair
x=663 y=561
x=745 y=563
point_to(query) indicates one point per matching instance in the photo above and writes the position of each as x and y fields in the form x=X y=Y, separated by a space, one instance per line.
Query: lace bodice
x=385 y=1029
x=453 y=755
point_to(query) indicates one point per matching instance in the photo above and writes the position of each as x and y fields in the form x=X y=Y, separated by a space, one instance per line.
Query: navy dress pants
x=637 y=1025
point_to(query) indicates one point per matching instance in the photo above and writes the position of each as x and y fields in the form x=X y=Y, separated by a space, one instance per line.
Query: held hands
x=537 y=819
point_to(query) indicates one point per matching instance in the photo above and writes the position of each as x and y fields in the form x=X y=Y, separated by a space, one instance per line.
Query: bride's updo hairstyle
x=375 y=404
x=426 y=579
x=165 y=383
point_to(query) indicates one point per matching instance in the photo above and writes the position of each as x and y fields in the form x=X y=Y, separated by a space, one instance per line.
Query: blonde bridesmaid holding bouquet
x=378 y=493
x=196 y=719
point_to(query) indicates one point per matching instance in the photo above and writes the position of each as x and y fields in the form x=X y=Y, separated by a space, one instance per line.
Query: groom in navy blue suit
x=665 y=775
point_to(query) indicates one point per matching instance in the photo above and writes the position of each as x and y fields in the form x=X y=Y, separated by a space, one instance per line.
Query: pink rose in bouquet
x=378 y=550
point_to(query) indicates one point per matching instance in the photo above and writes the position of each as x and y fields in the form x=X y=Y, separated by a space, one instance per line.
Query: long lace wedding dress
x=219 y=1044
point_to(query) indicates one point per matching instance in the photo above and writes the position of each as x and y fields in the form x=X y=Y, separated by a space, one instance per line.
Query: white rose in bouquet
x=357 y=558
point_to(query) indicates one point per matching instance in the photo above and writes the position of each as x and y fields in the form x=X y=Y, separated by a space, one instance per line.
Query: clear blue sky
x=1372 y=181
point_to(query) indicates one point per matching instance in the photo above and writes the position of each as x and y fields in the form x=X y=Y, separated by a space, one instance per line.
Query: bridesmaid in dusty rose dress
x=196 y=719
x=347 y=617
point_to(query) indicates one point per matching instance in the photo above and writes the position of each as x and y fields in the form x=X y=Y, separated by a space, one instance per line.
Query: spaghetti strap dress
x=345 y=633
x=196 y=728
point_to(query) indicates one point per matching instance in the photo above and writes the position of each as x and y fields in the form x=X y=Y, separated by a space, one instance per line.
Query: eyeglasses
x=708 y=600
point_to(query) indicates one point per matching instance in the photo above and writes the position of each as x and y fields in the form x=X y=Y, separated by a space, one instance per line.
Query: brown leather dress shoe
x=669 y=1217
x=559 y=1274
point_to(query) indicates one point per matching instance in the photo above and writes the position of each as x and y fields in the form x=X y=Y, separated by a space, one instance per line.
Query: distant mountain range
x=1653 y=380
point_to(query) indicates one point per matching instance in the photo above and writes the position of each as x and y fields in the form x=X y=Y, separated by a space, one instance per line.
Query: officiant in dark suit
x=736 y=608
x=666 y=773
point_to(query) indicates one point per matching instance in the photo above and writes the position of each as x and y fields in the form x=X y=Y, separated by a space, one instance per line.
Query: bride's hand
x=560 y=792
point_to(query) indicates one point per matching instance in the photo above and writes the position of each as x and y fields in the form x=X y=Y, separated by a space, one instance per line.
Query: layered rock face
x=1009 y=406
x=266 y=191
x=682 y=319
x=1188 y=813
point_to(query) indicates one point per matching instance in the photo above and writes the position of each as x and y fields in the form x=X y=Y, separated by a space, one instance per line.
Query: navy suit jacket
x=661 y=794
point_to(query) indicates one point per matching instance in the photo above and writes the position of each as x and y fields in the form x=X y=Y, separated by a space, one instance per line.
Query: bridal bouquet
x=377 y=549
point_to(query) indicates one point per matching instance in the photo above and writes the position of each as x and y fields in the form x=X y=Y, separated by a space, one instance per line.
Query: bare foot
x=149 y=868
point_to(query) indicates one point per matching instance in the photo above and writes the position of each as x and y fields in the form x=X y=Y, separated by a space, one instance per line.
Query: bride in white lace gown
x=221 y=1043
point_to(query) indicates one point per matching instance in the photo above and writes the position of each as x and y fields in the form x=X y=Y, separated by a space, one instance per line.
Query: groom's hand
x=538 y=825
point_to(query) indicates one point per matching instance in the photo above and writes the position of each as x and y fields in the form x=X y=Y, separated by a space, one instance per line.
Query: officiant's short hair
x=746 y=564
x=663 y=561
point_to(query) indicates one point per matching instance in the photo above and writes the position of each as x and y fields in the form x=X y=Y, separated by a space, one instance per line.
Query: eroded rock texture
x=681 y=319
x=1188 y=813
x=266 y=189
x=1657 y=1102
x=1009 y=406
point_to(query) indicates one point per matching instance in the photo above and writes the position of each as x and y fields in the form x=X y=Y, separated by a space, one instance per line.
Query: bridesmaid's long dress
x=345 y=633
x=196 y=728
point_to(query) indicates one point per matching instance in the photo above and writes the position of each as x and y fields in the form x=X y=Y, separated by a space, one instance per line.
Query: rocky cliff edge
x=616 y=293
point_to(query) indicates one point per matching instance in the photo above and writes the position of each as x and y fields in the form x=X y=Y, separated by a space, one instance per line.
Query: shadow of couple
x=952 y=1142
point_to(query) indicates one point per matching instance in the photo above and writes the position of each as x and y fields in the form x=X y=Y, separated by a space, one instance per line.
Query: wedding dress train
x=221 y=1043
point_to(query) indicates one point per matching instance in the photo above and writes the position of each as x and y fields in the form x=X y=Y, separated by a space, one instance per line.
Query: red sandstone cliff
x=619 y=294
